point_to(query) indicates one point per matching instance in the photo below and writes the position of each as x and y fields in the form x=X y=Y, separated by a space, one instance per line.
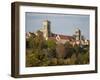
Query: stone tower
x=78 y=34
x=46 y=29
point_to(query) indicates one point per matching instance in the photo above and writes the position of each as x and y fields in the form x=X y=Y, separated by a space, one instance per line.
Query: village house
x=76 y=38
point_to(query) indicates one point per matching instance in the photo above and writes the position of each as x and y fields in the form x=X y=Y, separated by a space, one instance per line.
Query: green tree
x=73 y=59
x=60 y=61
x=51 y=44
x=51 y=47
x=69 y=49
x=60 y=51
x=37 y=58
x=37 y=41
x=83 y=58
x=30 y=42
x=53 y=61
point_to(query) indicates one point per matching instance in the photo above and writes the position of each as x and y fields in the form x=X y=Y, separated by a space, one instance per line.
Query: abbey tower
x=46 y=29
x=78 y=34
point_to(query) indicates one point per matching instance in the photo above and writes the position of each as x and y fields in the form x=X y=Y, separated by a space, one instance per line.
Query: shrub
x=37 y=58
x=60 y=61
x=73 y=59
x=60 y=51
x=67 y=61
x=69 y=50
x=53 y=61
x=51 y=44
x=83 y=58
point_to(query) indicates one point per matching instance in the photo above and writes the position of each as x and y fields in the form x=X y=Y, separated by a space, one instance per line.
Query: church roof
x=65 y=37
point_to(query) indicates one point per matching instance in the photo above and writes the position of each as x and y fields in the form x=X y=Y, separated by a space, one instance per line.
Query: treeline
x=41 y=52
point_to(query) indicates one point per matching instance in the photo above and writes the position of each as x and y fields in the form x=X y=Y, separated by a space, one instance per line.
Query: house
x=47 y=34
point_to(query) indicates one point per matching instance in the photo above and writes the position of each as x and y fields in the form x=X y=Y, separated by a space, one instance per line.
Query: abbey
x=76 y=38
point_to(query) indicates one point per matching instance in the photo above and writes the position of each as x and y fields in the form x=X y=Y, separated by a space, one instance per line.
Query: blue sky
x=60 y=23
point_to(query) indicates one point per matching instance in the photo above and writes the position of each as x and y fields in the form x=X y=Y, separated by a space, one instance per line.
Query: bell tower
x=46 y=29
x=78 y=34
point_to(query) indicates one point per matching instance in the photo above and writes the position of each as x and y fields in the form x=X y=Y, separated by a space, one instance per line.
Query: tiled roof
x=63 y=36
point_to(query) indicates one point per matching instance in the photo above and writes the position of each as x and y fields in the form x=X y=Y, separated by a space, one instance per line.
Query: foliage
x=51 y=44
x=37 y=58
x=67 y=61
x=60 y=51
x=69 y=50
x=41 y=52
x=51 y=47
x=53 y=62
x=83 y=58
x=60 y=61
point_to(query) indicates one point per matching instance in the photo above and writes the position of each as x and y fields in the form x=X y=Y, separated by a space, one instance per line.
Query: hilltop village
x=76 y=38
x=45 y=48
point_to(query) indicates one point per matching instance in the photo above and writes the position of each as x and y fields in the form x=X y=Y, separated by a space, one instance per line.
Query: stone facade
x=47 y=34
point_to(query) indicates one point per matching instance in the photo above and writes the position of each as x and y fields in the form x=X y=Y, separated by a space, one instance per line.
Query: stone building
x=75 y=39
x=46 y=29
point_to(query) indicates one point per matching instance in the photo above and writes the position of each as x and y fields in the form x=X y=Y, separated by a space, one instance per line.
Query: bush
x=32 y=60
x=69 y=50
x=60 y=51
x=67 y=61
x=51 y=44
x=53 y=61
x=83 y=58
x=60 y=61
x=73 y=59
x=37 y=58
x=70 y=61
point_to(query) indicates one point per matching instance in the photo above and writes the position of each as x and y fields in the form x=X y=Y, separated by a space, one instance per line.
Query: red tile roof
x=64 y=37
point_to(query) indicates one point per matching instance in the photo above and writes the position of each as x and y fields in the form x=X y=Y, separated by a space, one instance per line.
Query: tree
x=69 y=50
x=39 y=43
x=30 y=42
x=53 y=61
x=31 y=60
x=37 y=58
x=60 y=61
x=83 y=58
x=73 y=59
x=60 y=51
x=37 y=53
x=67 y=61
x=51 y=44
x=51 y=47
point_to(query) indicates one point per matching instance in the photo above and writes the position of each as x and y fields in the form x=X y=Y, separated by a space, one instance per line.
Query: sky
x=64 y=24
